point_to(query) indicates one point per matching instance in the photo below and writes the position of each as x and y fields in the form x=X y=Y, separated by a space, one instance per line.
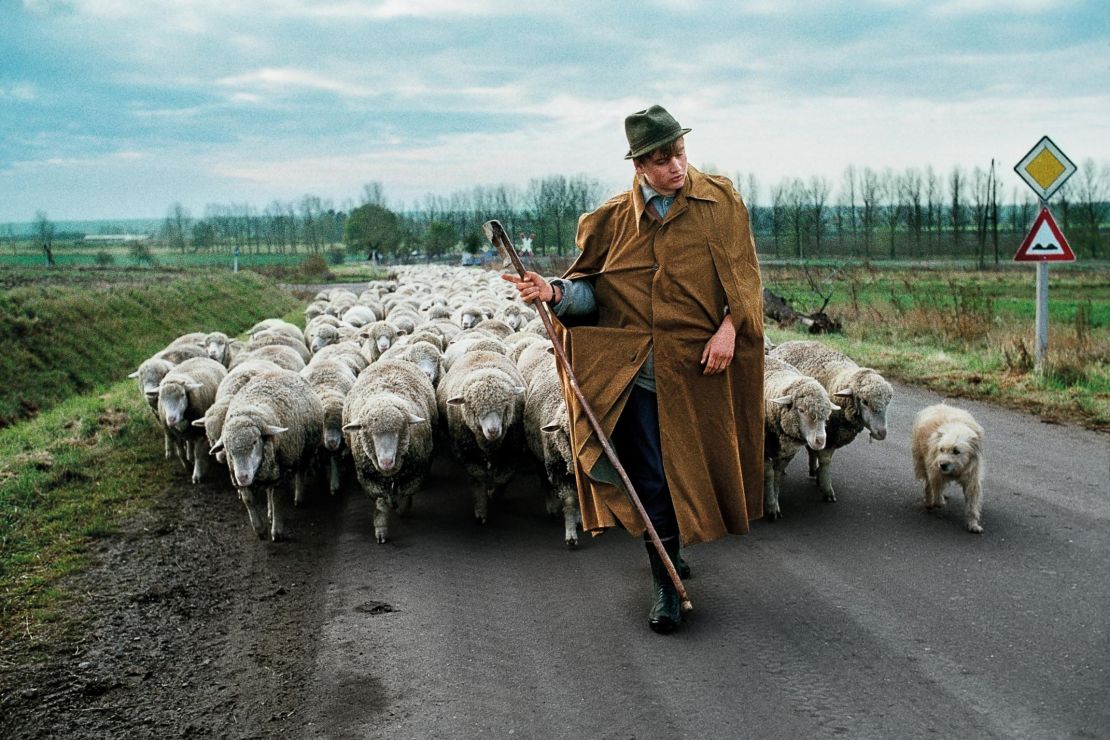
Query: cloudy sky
x=118 y=108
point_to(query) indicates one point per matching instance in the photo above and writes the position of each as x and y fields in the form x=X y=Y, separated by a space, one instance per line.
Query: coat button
x=655 y=266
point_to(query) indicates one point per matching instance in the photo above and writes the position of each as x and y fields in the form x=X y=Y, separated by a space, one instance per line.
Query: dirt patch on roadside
x=187 y=626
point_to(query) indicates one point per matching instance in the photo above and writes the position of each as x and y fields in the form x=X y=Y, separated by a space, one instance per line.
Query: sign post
x=1044 y=169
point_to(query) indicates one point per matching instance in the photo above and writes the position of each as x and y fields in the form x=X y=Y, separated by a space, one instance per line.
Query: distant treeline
x=888 y=214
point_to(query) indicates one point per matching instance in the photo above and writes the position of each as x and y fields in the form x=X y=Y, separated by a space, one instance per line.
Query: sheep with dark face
x=796 y=410
x=388 y=419
x=331 y=380
x=184 y=395
x=862 y=394
x=481 y=397
x=273 y=427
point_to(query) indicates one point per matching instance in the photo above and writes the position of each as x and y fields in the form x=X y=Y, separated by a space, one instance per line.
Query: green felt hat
x=647 y=130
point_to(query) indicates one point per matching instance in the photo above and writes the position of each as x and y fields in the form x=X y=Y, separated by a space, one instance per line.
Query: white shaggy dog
x=947 y=446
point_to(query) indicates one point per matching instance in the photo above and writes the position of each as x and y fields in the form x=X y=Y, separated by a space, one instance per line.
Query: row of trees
x=910 y=214
x=917 y=213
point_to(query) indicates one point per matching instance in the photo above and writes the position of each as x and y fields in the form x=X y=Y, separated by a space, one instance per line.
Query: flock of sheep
x=435 y=358
x=438 y=357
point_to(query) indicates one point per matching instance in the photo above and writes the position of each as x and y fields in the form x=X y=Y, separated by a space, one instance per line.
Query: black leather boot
x=666 y=613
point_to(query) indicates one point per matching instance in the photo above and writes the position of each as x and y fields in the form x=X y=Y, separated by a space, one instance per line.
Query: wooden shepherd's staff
x=495 y=232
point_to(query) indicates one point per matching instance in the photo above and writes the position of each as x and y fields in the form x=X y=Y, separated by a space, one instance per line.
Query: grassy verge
x=62 y=339
x=969 y=333
x=68 y=478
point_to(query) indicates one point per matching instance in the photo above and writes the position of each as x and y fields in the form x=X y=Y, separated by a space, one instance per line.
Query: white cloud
x=20 y=91
x=278 y=79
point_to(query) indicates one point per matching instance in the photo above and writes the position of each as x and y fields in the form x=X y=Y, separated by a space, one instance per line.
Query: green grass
x=61 y=339
x=68 y=478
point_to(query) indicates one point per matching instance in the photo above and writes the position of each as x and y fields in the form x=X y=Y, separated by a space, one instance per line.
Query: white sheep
x=282 y=356
x=796 y=409
x=331 y=380
x=347 y=351
x=378 y=337
x=481 y=397
x=239 y=376
x=424 y=354
x=358 y=315
x=389 y=418
x=547 y=431
x=271 y=337
x=184 y=395
x=862 y=394
x=279 y=325
x=272 y=429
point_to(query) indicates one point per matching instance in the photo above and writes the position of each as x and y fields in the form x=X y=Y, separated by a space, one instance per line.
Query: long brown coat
x=665 y=285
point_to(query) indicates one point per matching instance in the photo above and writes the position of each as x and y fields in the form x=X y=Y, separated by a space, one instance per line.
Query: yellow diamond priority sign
x=1045 y=168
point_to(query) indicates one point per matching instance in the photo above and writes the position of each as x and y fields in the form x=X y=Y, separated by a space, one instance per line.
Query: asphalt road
x=865 y=618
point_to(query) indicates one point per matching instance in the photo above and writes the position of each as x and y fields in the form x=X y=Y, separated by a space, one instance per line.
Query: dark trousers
x=636 y=439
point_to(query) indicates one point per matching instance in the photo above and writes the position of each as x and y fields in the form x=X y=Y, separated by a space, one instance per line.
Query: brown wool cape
x=665 y=285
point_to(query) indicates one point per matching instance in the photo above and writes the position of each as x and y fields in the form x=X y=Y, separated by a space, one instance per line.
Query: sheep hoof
x=773 y=516
x=974 y=528
x=381 y=538
x=830 y=497
x=572 y=543
x=480 y=518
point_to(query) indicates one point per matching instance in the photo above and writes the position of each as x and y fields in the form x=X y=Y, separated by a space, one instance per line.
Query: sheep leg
x=824 y=476
x=277 y=523
x=570 y=518
x=333 y=475
x=169 y=444
x=246 y=495
x=973 y=507
x=482 y=496
x=771 y=511
x=812 y=463
x=200 y=459
x=298 y=488
x=404 y=506
x=381 y=520
x=182 y=453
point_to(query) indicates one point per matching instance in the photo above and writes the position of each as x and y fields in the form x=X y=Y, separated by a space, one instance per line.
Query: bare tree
x=373 y=194
x=869 y=197
x=932 y=207
x=848 y=205
x=911 y=192
x=980 y=212
x=44 y=236
x=956 y=216
x=818 y=197
x=1091 y=193
x=176 y=226
x=893 y=208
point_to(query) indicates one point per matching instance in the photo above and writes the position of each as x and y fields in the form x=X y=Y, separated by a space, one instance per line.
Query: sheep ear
x=134 y=374
x=272 y=430
x=414 y=419
x=456 y=401
x=193 y=386
x=151 y=394
x=844 y=392
x=835 y=407
x=198 y=422
x=786 y=401
x=551 y=349
x=217 y=446
x=552 y=426
x=354 y=426
x=519 y=390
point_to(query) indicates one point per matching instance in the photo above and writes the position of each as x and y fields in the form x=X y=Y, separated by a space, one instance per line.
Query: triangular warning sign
x=1045 y=242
